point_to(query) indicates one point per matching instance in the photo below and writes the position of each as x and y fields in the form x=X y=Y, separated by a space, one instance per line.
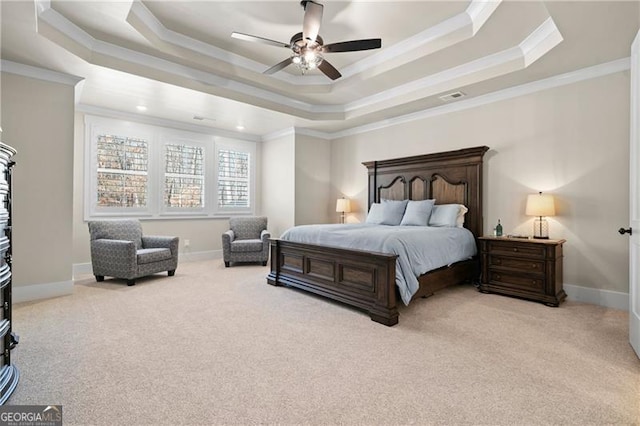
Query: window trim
x=242 y=146
x=157 y=138
x=175 y=137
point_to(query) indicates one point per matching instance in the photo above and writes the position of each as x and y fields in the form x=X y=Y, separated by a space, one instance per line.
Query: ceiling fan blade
x=256 y=39
x=329 y=70
x=353 y=45
x=312 y=20
x=277 y=67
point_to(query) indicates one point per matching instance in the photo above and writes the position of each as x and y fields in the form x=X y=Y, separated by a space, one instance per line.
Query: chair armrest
x=265 y=235
x=229 y=236
x=114 y=258
x=157 y=241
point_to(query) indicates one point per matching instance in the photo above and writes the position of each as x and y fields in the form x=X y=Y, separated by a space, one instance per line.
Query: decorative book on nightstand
x=530 y=269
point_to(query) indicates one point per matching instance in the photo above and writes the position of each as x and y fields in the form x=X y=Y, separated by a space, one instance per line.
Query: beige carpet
x=217 y=345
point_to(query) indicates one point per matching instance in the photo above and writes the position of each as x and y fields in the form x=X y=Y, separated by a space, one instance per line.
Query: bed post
x=274 y=275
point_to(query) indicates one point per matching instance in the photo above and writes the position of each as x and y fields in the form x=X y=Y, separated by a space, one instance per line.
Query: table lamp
x=540 y=205
x=343 y=206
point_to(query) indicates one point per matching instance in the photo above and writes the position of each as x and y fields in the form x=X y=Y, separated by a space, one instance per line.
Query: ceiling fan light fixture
x=307 y=47
x=306 y=59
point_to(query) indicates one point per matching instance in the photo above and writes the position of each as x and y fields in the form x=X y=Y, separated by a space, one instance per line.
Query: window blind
x=233 y=178
x=122 y=171
x=184 y=176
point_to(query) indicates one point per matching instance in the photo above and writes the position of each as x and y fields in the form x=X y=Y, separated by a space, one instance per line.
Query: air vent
x=201 y=118
x=453 y=95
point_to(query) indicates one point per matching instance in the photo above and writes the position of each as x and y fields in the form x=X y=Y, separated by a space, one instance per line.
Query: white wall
x=278 y=183
x=312 y=180
x=571 y=141
x=37 y=120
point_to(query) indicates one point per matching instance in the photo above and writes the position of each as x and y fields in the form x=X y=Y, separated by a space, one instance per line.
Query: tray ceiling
x=178 y=57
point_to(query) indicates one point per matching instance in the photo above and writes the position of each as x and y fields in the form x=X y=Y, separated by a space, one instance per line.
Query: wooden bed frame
x=367 y=280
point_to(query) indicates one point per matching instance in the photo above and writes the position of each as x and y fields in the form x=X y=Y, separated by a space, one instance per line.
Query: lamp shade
x=540 y=205
x=343 y=205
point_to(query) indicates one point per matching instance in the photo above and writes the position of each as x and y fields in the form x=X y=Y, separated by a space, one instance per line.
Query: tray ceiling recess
x=443 y=47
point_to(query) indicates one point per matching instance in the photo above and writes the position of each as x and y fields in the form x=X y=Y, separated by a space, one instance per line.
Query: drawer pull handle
x=515 y=249
x=497 y=261
x=534 y=282
x=534 y=266
x=497 y=277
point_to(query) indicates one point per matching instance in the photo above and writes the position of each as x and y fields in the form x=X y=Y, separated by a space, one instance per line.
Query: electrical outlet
x=186 y=243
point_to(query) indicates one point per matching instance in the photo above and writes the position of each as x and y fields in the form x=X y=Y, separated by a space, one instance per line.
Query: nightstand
x=530 y=269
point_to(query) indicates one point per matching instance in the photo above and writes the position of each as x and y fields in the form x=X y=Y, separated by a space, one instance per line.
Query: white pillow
x=417 y=213
x=460 y=219
x=393 y=211
x=451 y=215
x=375 y=215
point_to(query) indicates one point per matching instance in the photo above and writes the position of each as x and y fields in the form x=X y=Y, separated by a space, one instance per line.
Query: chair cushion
x=153 y=255
x=244 y=246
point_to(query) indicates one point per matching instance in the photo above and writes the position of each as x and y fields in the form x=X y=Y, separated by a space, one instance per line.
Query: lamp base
x=541 y=229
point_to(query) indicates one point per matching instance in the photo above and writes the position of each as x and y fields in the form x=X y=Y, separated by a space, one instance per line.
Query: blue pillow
x=393 y=211
x=375 y=215
x=445 y=215
x=417 y=213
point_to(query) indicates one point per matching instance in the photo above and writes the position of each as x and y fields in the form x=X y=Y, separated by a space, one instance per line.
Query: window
x=233 y=178
x=150 y=171
x=122 y=171
x=235 y=171
x=184 y=176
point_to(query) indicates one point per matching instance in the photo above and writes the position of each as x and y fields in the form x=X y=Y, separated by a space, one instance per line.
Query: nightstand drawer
x=521 y=265
x=517 y=249
x=516 y=281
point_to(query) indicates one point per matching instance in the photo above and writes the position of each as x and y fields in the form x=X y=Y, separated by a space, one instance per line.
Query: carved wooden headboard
x=449 y=177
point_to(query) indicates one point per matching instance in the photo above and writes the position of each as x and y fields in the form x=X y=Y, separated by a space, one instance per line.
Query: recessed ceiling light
x=141 y=108
x=240 y=127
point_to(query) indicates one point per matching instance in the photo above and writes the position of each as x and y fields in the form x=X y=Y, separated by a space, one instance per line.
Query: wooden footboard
x=358 y=278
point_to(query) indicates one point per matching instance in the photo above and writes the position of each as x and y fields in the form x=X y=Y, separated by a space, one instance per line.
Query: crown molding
x=146 y=23
x=620 y=65
x=287 y=131
x=588 y=73
x=312 y=133
x=458 y=28
x=39 y=73
x=64 y=32
x=60 y=30
x=106 y=54
x=442 y=35
x=539 y=42
x=163 y=122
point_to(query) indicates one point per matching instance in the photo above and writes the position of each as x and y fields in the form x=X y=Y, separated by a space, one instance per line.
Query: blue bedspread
x=420 y=249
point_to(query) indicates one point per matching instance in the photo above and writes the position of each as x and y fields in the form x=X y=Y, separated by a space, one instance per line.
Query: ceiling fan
x=308 y=48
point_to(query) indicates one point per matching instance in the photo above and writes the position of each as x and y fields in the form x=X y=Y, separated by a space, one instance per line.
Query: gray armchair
x=119 y=250
x=246 y=241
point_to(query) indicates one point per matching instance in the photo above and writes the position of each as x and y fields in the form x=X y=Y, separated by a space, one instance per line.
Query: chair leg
x=171 y=272
x=131 y=282
x=99 y=278
x=226 y=264
x=264 y=263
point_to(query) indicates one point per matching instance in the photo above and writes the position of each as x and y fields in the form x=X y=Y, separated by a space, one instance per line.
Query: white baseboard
x=85 y=268
x=595 y=296
x=200 y=255
x=41 y=291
